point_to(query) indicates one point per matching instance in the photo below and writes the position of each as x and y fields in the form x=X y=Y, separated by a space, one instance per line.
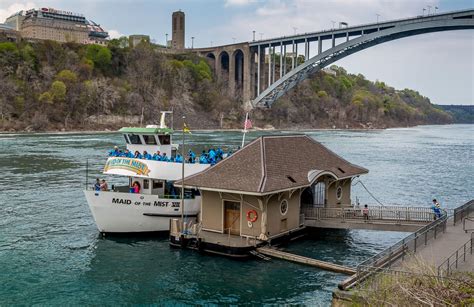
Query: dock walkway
x=447 y=244
x=386 y=218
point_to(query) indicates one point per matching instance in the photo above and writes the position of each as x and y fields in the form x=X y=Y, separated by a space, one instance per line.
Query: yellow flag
x=186 y=129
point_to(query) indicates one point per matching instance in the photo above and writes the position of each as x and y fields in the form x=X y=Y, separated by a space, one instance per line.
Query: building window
x=284 y=207
x=339 y=193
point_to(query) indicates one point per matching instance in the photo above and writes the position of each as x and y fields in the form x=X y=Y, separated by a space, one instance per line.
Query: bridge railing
x=386 y=213
x=459 y=255
x=463 y=211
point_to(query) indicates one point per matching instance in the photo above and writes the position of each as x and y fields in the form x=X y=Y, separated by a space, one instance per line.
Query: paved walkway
x=438 y=250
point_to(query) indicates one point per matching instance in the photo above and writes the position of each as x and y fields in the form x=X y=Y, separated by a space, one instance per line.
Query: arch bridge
x=262 y=71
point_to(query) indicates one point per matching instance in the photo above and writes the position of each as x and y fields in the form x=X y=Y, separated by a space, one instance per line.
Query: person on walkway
x=104 y=186
x=436 y=209
x=365 y=213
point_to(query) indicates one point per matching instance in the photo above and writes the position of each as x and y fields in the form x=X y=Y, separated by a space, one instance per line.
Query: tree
x=100 y=56
x=58 y=91
x=66 y=76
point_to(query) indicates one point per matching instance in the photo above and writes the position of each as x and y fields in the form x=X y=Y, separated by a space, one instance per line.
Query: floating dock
x=305 y=260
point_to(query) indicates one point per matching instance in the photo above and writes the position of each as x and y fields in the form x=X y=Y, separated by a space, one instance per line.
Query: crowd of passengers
x=212 y=156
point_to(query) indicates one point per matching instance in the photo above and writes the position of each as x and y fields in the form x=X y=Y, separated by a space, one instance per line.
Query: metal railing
x=446 y=267
x=463 y=211
x=396 y=251
x=387 y=213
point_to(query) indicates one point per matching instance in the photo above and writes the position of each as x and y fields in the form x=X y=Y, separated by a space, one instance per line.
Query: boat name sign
x=172 y=204
x=129 y=164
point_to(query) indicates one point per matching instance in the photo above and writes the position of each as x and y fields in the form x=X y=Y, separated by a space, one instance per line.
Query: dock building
x=57 y=25
x=261 y=191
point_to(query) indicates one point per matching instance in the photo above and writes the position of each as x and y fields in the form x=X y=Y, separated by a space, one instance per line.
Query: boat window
x=134 y=139
x=164 y=139
x=149 y=139
x=146 y=184
x=157 y=184
x=126 y=139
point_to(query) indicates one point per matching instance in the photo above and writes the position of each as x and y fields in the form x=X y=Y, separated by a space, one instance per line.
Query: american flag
x=247 y=123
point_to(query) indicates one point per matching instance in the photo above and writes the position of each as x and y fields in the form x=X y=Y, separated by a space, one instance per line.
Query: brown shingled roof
x=273 y=163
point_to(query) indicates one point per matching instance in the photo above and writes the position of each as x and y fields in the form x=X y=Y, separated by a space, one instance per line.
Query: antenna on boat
x=87 y=173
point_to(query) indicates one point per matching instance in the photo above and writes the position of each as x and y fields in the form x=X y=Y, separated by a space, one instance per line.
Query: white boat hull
x=117 y=212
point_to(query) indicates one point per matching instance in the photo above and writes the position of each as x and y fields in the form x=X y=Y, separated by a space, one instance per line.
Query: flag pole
x=245 y=129
x=182 y=179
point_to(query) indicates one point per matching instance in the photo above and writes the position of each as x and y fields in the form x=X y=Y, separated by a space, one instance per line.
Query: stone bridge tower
x=178 y=26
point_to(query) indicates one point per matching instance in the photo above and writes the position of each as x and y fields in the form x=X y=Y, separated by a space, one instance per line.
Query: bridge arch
x=224 y=64
x=238 y=75
x=211 y=59
x=324 y=59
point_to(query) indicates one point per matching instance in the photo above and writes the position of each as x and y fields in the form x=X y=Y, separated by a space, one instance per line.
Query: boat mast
x=182 y=179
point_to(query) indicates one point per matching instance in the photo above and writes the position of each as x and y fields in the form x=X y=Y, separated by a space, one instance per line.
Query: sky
x=438 y=65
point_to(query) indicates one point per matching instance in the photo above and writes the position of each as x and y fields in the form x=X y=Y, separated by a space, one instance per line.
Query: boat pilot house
x=262 y=190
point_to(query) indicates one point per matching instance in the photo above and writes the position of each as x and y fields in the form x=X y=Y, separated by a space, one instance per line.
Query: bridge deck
x=389 y=218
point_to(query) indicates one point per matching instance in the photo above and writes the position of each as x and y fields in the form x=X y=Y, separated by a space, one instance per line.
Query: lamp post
x=424 y=11
x=261 y=36
x=378 y=15
x=436 y=8
x=211 y=43
x=429 y=9
x=253 y=35
x=294 y=30
x=192 y=42
x=333 y=24
x=166 y=42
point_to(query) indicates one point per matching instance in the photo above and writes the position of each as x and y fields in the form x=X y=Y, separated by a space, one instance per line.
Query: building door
x=232 y=217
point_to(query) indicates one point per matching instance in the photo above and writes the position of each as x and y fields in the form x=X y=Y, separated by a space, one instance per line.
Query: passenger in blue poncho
x=138 y=155
x=165 y=157
x=203 y=159
x=157 y=156
x=219 y=153
x=127 y=154
x=146 y=155
x=191 y=156
x=178 y=159
x=115 y=152
x=212 y=154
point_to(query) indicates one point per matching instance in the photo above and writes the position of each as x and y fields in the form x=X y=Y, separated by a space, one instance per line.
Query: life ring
x=252 y=216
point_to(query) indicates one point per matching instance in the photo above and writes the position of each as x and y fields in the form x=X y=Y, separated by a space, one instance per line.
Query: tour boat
x=120 y=209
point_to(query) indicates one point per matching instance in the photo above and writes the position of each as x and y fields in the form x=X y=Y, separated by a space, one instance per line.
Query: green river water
x=51 y=252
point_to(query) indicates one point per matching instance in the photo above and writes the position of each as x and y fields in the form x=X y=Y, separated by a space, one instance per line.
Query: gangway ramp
x=305 y=260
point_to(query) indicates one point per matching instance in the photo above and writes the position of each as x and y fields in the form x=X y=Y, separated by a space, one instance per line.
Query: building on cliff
x=56 y=25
